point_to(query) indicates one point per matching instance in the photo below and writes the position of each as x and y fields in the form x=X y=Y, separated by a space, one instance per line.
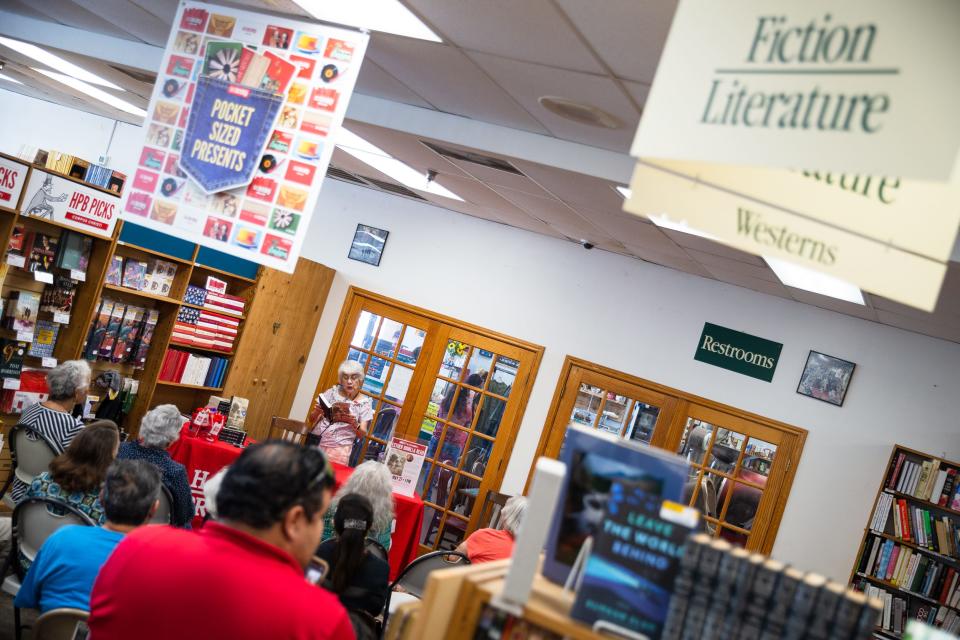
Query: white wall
x=620 y=313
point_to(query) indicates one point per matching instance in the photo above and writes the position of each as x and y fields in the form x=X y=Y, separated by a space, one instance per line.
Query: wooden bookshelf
x=180 y=385
x=903 y=480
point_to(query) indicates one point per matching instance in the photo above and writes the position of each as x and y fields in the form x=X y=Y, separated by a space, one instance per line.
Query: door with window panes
x=741 y=465
x=456 y=389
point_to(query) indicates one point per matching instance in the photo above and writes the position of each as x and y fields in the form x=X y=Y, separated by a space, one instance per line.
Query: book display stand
x=909 y=556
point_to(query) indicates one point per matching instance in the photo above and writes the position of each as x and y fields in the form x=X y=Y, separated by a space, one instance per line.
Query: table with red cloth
x=408 y=510
x=202 y=458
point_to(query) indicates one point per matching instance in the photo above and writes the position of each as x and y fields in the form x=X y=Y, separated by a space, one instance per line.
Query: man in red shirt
x=240 y=577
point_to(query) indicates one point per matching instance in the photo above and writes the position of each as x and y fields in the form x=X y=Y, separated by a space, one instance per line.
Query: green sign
x=741 y=352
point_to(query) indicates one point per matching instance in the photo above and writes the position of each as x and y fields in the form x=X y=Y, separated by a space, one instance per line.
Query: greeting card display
x=242 y=98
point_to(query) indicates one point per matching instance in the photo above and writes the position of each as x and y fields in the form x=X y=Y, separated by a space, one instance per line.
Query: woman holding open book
x=342 y=413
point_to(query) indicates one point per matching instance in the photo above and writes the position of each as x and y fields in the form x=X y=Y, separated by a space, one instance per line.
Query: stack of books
x=189 y=368
x=153 y=276
x=918 y=525
x=200 y=328
x=925 y=481
x=214 y=301
x=121 y=333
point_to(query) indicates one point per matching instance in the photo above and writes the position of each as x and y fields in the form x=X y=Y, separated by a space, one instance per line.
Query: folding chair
x=31 y=452
x=413 y=578
x=61 y=624
x=164 y=514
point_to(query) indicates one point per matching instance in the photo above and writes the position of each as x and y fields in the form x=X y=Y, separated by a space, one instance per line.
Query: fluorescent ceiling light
x=679 y=225
x=93 y=92
x=794 y=275
x=388 y=16
x=626 y=192
x=9 y=79
x=56 y=62
x=385 y=163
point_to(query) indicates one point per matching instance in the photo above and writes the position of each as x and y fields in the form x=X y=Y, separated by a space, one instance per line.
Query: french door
x=456 y=388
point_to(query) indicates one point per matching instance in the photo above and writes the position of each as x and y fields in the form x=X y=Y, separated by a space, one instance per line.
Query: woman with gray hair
x=159 y=429
x=487 y=545
x=68 y=384
x=372 y=481
x=342 y=413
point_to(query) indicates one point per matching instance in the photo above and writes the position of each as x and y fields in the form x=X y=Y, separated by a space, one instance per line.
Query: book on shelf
x=11 y=357
x=40 y=250
x=98 y=328
x=195 y=295
x=74 y=251
x=145 y=339
x=114 y=271
x=58 y=297
x=127 y=334
x=134 y=274
x=44 y=339
x=160 y=278
x=78 y=169
x=98 y=175
x=112 y=330
x=18 y=237
x=33 y=389
x=22 y=310
x=927 y=480
x=188 y=368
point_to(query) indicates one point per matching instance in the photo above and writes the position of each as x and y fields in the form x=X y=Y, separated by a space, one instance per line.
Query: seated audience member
x=240 y=576
x=372 y=481
x=487 y=545
x=76 y=475
x=359 y=578
x=63 y=572
x=68 y=384
x=159 y=429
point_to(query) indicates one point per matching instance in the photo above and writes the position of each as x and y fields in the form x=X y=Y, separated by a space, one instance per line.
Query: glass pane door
x=389 y=351
x=463 y=419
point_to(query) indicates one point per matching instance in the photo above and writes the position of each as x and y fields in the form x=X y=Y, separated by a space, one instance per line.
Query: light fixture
x=581 y=112
x=626 y=192
x=56 y=62
x=388 y=16
x=388 y=165
x=93 y=92
x=793 y=275
x=664 y=222
x=4 y=76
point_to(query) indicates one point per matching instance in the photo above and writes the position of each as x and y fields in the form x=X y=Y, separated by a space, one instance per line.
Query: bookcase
x=910 y=552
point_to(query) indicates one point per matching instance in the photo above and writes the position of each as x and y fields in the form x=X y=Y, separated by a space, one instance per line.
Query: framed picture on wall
x=368 y=243
x=826 y=378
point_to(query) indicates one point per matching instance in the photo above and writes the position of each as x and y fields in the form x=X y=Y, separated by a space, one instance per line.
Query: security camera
x=586 y=245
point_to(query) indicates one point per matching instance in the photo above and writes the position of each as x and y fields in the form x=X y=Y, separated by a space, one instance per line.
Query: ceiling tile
x=709 y=246
x=743 y=280
x=638 y=91
x=531 y=31
x=132 y=18
x=166 y=10
x=833 y=304
x=550 y=211
x=711 y=261
x=573 y=188
x=498 y=178
x=404 y=147
x=628 y=34
x=447 y=79
x=73 y=15
x=951 y=333
x=681 y=264
x=632 y=232
x=374 y=81
x=527 y=82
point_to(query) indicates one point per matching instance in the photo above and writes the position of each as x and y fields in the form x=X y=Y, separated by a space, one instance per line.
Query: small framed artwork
x=368 y=244
x=826 y=378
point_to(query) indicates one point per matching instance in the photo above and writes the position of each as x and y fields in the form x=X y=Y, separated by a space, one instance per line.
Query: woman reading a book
x=342 y=413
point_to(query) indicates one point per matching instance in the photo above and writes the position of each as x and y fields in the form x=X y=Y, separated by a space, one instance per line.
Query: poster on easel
x=240 y=130
x=405 y=460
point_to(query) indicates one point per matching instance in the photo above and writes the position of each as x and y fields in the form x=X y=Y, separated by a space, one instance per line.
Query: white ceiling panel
x=73 y=15
x=632 y=231
x=709 y=246
x=711 y=261
x=374 y=81
x=498 y=178
x=530 y=30
x=24 y=8
x=132 y=18
x=449 y=80
x=681 y=264
x=527 y=82
x=166 y=10
x=550 y=211
x=741 y=279
x=833 y=304
x=574 y=188
x=638 y=91
x=946 y=332
x=628 y=34
x=403 y=146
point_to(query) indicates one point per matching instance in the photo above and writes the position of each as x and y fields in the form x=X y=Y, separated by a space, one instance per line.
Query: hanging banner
x=70 y=203
x=857 y=87
x=238 y=134
x=763 y=229
x=13 y=175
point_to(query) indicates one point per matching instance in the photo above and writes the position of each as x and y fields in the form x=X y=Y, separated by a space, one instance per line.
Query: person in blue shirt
x=67 y=564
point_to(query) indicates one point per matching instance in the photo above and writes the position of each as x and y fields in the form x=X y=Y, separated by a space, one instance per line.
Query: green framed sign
x=737 y=351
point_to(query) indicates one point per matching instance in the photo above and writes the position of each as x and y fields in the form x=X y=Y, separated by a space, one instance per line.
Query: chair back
x=493 y=503
x=164 y=514
x=31 y=452
x=61 y=624
x=288 y=429
x=35 y=519
x=376 y=549
x=414 y=576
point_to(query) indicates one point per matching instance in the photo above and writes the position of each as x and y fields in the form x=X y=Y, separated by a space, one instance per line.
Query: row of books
x=898 y=611
x=155 y=276
x=201 y=328
x=726 y=592
x=45 y=252
x=121 y=333
x=920 y=526
x=23 y=307
x=189 y=368
x=213 y=300
x=95 y=174
x=926 y=481
x=911 y=570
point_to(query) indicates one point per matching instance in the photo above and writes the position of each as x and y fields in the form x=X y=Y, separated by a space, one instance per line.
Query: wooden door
x=279 y=332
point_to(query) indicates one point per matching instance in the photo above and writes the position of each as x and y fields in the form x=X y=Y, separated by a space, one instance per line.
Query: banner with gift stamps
x=240 y=130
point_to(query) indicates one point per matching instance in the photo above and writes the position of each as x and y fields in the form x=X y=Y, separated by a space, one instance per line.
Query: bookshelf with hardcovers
x=909 y=556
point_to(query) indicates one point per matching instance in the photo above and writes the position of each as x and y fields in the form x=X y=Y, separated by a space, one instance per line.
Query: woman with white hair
x=68 y=384
x=487 y=545
x=342 y=413
x=372 y=481
x=159 y=429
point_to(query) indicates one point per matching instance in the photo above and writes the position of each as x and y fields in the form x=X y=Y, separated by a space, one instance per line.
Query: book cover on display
x=58 y=297
x=44 y=339
x=74 y=251
x=111 y=330
x=11 y=357
x=238 y=412
x=114 y=271
x=42 y=252
x=134 y=274
x=23 y=309
x=17 y=239
x=139 y=359
x=404 y=460
x=628 y=579
x=127 y=334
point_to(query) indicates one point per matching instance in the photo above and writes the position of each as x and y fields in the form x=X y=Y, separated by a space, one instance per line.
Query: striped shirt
x=59 y=426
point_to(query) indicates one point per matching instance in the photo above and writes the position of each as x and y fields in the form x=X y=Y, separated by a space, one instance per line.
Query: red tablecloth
x=202 y=460
x=408 y=510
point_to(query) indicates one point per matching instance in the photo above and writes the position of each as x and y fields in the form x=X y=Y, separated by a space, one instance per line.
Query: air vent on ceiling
x=371 y=183
x=339 y=174
x=139 y=76
x=393 y=188
x=474 y=157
